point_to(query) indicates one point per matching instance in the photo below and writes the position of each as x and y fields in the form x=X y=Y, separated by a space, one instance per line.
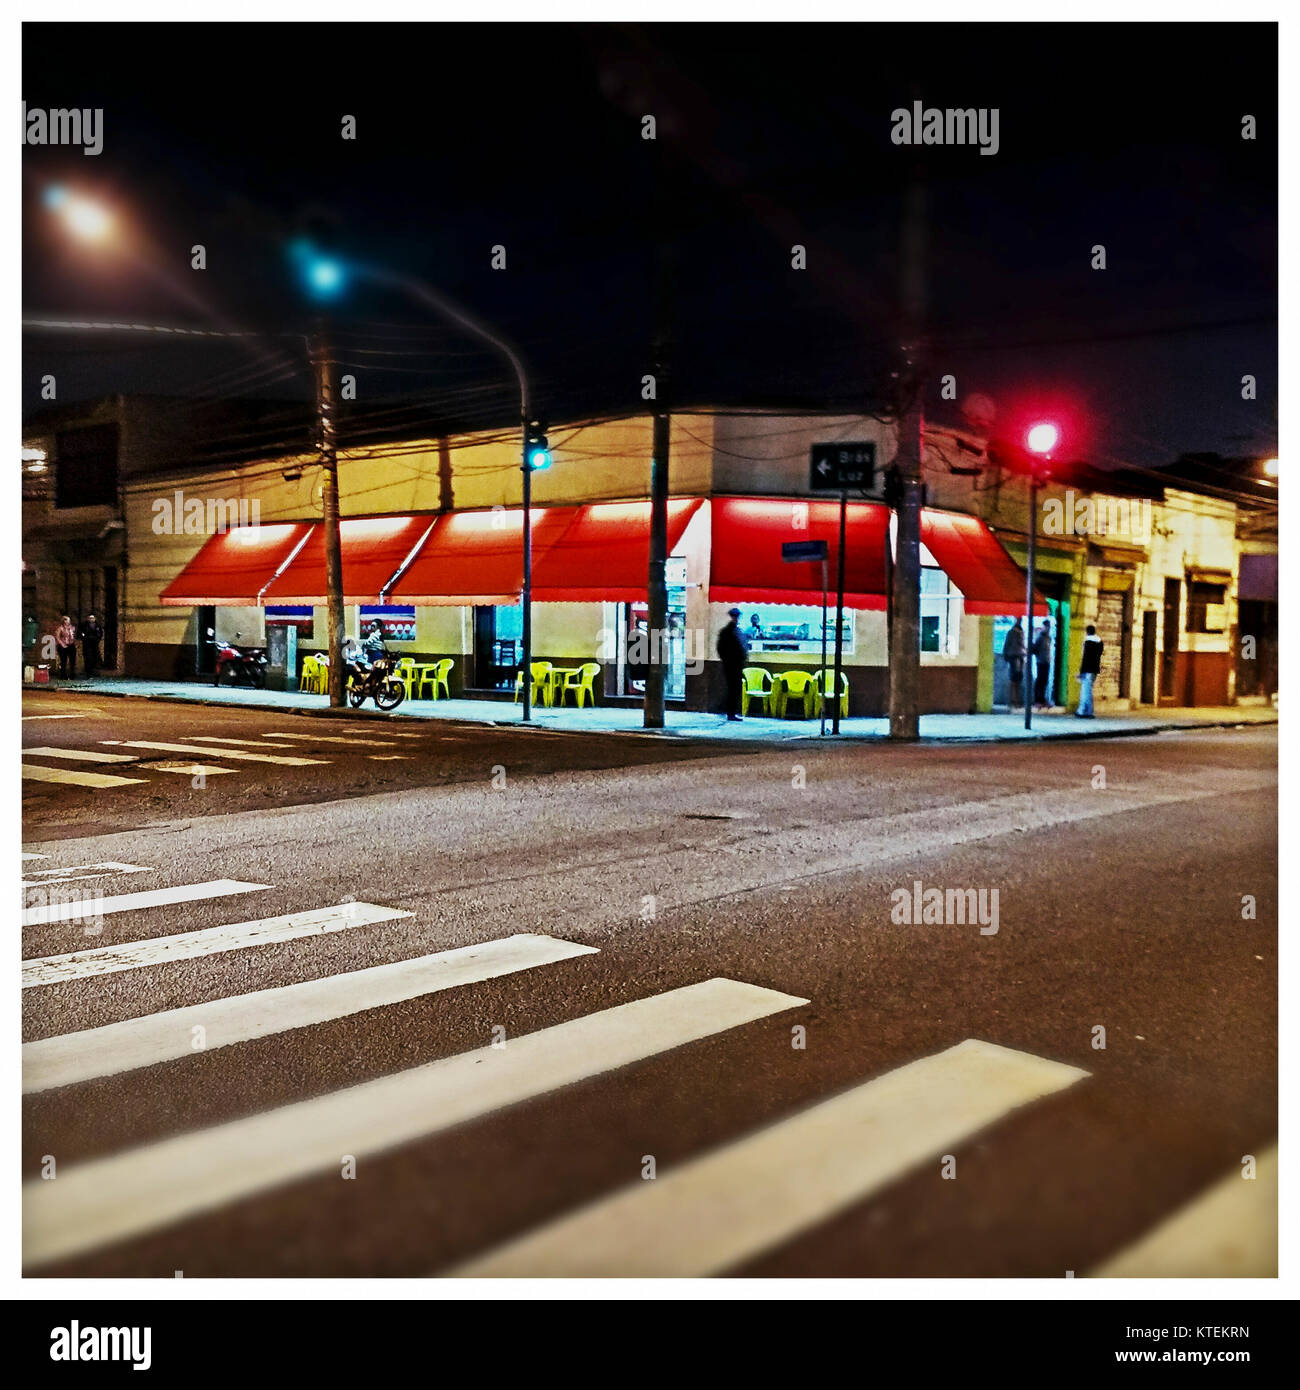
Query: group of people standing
x=66 y=636
x=1013 y=652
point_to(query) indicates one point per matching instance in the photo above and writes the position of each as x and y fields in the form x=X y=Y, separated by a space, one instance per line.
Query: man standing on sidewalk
x=91 y=636
x=1089 y=670
x=732 y=652
x=65 y=639
x=1042 y=663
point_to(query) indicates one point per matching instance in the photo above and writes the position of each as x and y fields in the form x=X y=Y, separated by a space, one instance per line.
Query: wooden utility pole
x=323 y=368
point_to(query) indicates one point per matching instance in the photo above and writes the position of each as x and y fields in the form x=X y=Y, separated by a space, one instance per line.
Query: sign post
x=795 y=552
x=838 y=467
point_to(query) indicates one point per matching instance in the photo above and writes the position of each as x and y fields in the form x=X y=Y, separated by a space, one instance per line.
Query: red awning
x=973 y=558
x=747 y=564
x=374 y=549
x=235 y=566
x=477 y=557
x=604 y=552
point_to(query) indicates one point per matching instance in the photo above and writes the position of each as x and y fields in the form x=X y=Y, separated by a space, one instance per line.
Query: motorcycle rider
x=374 y=644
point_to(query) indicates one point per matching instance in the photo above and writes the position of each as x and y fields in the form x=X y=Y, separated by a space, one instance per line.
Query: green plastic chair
x=757 y=686
x=581 y=682
x=408 y=673
x=825 y=684
x=541 y=671
x=799 y=685
x=314 y=679
x=441 y=678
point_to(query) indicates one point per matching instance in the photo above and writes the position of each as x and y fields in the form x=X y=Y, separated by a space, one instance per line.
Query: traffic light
x=537 y=454
x=323 y=274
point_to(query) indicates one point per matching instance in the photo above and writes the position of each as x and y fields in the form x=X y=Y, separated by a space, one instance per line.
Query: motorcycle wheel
x=390 y=695
x=257 y=678
x=356 y=696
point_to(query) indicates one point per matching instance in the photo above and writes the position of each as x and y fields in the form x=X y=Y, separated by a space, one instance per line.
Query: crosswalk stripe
x=1228 y=1232
x=76 y=872
x=32 y=718
x=240 y=742
x=738 y=1201
x=28 y=855
x=162 y=1037
x=283 y=759
x=363 y=739
x=83 y=755
x=389 y=757
x=208 y=941
x=126 y=1194
x=129 y=902
x=33 y=772
x=193 y=769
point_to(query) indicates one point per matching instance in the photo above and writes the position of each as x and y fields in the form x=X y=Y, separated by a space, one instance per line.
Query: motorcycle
x=238 y=665
x=376 y=681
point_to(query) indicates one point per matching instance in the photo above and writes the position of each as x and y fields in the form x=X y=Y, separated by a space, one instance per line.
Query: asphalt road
x=872 y=1096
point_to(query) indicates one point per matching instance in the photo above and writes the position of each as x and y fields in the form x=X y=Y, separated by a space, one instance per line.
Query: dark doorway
x=1169 y=654
x=205 y=654
x=498 y=646
x=109 y=658
x=1150 y=619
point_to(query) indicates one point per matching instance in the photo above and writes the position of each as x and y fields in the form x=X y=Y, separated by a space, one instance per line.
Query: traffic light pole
x=657 y=586
x=322 y=368
x=526 y=597
x=839 y=619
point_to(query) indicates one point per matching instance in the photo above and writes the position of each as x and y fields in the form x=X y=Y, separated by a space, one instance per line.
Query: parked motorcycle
x=238 y=665
x=375 y=680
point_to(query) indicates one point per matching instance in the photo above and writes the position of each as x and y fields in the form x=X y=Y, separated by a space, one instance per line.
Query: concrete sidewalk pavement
x=941 y=728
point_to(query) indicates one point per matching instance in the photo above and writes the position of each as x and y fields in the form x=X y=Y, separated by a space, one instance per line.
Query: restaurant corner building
x=432 y=534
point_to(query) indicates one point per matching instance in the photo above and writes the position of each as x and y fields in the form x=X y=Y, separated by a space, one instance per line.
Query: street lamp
x=84 y=218
x=1040 y=439
x=326 y=275
x=1270 y=467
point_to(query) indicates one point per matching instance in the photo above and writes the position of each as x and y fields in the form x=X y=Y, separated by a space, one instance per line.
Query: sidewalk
x=937 y=728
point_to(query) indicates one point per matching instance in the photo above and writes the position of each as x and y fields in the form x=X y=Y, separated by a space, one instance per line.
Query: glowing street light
x=1041 y=438
x=1270 y=467
x=83 y=217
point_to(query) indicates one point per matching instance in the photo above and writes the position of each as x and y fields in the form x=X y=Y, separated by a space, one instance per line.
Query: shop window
x=781 y=627
x=941 y=613
x=1206 y=609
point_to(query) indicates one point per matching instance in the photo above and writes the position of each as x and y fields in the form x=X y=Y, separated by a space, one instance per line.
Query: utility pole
x=526 y=596
x=323 y=368
x=905 y=628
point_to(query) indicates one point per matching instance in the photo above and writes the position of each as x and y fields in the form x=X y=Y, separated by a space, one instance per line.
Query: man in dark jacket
x=1042 y=663
x=733 y=651
x=91 y=636
x=1013 y=653
x=1089 y=670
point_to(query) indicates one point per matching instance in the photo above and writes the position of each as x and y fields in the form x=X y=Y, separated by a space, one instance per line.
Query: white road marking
x=360 y=739
x=741 y=1200
x=33 y=772
x=283 y=759
x=240 y=742
x=84 y=755
x=163 y=1037
x=192 y=769
x=29 y=718
x=126 y=1194
x=27 y=855
x=389 y=757
x=130 y=902
x=75 y=872
x=1228 y=1232
x=209 y=941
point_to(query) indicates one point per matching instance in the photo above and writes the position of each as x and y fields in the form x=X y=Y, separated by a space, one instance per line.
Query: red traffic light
x=1042 y=437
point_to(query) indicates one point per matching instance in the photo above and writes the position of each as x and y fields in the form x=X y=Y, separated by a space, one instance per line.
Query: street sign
x=844 y=465
x=794 y=551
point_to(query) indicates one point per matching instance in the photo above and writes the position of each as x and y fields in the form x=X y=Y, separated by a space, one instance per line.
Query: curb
x=327 y=712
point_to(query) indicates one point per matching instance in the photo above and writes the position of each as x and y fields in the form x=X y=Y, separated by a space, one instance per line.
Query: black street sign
x=839 y=466
x=803 y=550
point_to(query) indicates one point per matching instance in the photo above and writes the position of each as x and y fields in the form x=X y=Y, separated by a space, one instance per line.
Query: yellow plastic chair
x=798 y=685
x=541 y=683
x=757 y=686
x=408 y=673
x=314 y=679
x=442 y=678
x=581 y=682
x=825 y=684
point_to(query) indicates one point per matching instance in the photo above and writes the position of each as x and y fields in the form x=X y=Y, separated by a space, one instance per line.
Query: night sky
x=768 y=135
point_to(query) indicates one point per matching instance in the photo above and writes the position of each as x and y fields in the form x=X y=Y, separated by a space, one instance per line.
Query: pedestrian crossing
x=210 y=755
x=708 y=1216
